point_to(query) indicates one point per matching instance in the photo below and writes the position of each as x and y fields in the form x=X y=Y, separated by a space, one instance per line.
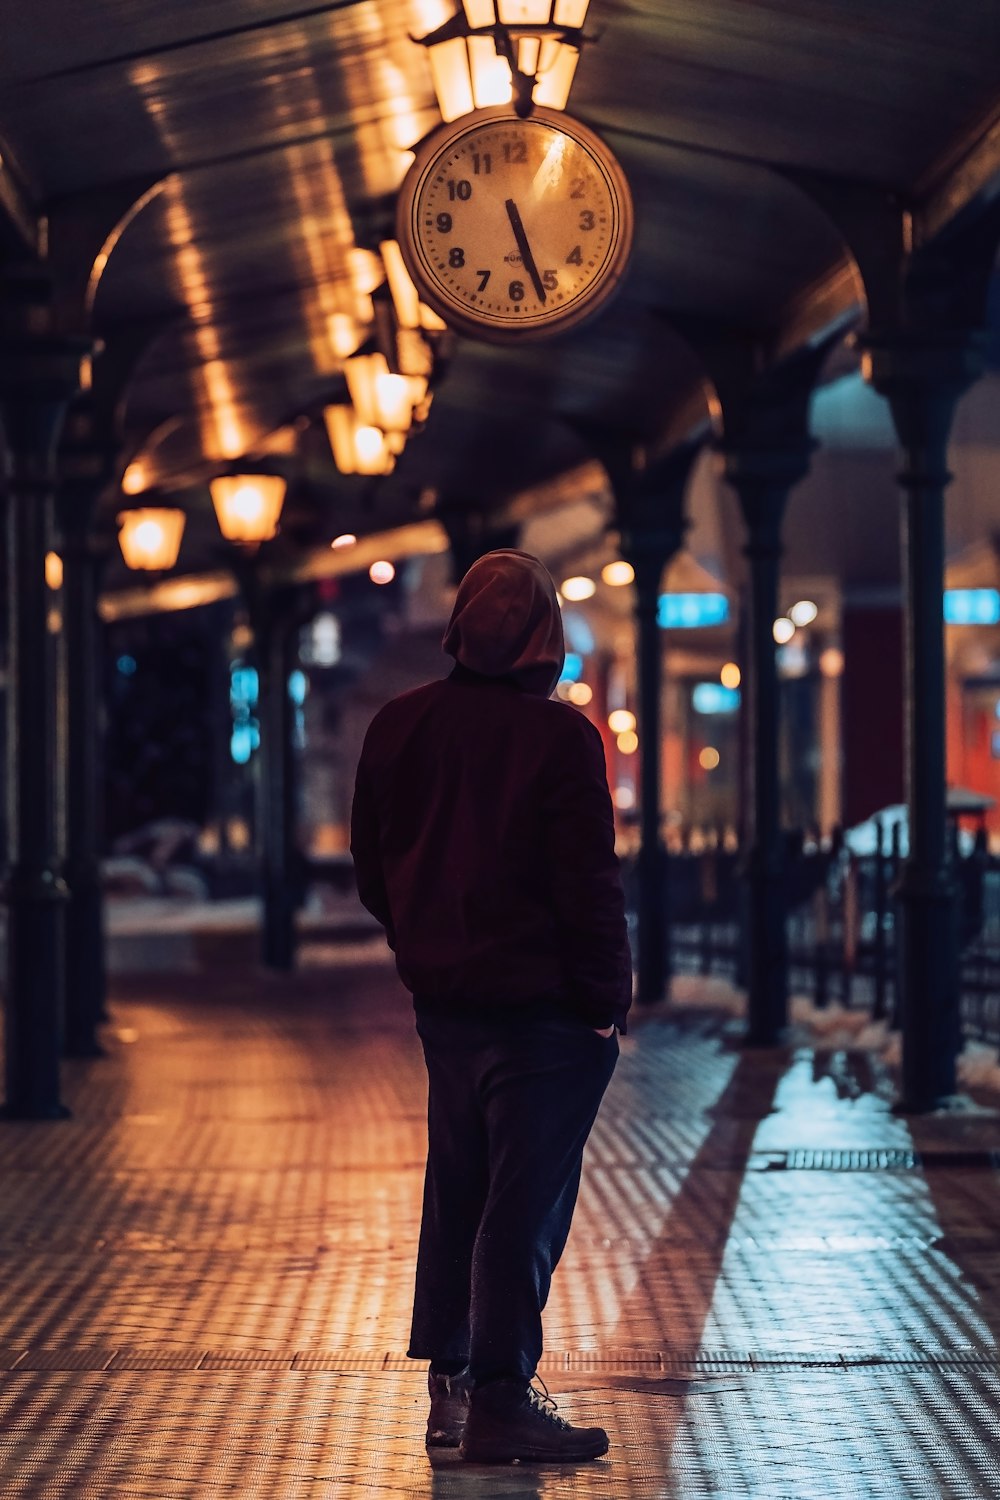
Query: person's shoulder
x=406 y=701
x=567 y=722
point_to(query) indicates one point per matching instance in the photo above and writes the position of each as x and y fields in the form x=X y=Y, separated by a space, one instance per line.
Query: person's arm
x=367 y=855
x=587 y=894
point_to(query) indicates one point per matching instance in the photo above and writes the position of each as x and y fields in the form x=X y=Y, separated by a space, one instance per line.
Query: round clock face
x=515 y=228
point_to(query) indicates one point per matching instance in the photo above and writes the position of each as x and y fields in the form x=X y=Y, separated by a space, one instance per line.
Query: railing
x=841 y=920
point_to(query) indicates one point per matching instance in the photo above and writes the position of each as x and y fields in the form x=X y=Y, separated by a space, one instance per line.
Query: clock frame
x=515 y=229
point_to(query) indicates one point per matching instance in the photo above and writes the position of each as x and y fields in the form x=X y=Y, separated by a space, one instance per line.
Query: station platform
x=774 y=1287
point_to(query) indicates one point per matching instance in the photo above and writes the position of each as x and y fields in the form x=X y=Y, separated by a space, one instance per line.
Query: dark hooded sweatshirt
x=482 y=830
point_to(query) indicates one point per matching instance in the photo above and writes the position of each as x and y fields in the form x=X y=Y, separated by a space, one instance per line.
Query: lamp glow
x=248 y=506
x=491 y=76
x=381 y=572
x=730 y=676
x=344 y=334
x=150 y=538
x=803 y=613
x=783 y=629
x=621 y=720
x=371 y=451
x=357 y=448
x=53 y=570
x=831 y=661
x=576 y=589
x=617 y=574
x=393 y=402
x=580 y=693
x=361 y=372
x=628 y=742
x=709 y=758
x=405 y=298
x=134 y=480
x=346 y=539
x=555 y=78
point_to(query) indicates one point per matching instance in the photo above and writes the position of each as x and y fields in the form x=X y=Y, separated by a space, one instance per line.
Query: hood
x=506 y=621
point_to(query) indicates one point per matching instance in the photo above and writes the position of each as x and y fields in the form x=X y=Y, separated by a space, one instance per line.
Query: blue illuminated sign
x=972 y=606
x=690 y=611
x=713 y=698
x=573 y=668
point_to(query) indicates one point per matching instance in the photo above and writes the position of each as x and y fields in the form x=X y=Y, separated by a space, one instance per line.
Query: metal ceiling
x=275 y=137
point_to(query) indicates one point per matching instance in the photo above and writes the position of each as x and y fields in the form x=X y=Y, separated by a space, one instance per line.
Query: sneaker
x=509 y=1419
x=449 y=1408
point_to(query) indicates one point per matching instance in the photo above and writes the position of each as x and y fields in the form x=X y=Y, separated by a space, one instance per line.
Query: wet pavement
x=774 y=1287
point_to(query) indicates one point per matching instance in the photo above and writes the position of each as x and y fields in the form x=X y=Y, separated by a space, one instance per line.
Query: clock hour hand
x=524 y=248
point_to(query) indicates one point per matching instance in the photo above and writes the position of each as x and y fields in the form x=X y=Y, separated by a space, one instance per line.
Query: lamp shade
x=556 y=68
x=248 y=506
x=150 y=537
x=358 y=447
x=479 y=12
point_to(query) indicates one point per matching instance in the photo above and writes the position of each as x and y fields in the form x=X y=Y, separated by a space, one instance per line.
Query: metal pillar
x=762 y=481
x=922 y=379
x=39 y=373
x=654 y=940
x=276 y=825
x=84 y=925
x=650 y=507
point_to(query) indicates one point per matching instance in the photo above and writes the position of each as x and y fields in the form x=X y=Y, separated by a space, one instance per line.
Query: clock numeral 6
x=456 y=257
x=516 y=291
x=550 y=280
x=461 y=189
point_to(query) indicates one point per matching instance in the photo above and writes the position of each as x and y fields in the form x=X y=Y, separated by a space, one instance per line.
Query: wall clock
x=515 y=229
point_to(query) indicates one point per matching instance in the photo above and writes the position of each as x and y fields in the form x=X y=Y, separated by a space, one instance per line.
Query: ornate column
x=274 y=630
x=650 y=509
x=83 y=473
x=762 y=480
x=922 y=377
x=274 y=613
x=39 y=375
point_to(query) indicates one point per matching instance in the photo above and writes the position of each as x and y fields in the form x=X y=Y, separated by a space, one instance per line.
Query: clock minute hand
x=524 y=247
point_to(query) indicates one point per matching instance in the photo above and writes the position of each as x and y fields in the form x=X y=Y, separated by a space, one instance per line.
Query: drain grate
x=877 y=1160
x=649 y=1364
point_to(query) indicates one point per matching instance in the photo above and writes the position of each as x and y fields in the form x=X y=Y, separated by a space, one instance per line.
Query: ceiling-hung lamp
x=150 y=537
x=357 y=448
x=361 y=372
x=383 y=397
x=248 y=506
x=411 y=313
x=498 y=50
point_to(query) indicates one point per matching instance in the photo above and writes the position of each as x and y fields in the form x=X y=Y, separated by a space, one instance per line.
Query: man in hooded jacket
x=483 y=841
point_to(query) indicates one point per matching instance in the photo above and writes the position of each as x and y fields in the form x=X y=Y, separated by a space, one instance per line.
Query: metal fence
x=841 y=920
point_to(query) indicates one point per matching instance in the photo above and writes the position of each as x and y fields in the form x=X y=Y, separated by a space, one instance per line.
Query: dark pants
x=510 y=1106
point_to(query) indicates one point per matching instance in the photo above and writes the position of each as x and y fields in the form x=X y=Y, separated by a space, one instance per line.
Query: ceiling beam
x=20 y=224
x=202 y=39
x=969 y=184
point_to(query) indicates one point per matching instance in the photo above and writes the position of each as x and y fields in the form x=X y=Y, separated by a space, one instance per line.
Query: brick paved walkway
x=205 y=1273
